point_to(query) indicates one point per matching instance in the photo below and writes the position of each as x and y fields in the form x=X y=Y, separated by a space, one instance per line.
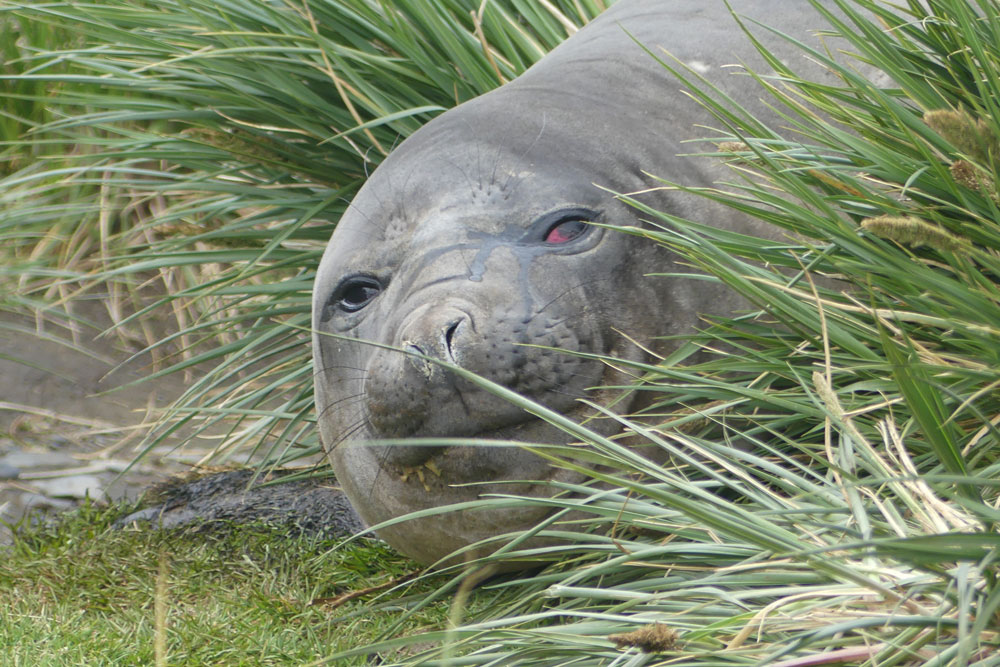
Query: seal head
x=494 y=278
x=478 y=242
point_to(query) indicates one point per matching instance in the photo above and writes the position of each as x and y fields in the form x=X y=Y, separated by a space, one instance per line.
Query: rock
x=38 y=460
x=72 y=486
x=8 y=471
x=37 y=502
x=26 y=508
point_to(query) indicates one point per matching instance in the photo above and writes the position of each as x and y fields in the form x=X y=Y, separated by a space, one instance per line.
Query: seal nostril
x=449 y=337
x=425 y=367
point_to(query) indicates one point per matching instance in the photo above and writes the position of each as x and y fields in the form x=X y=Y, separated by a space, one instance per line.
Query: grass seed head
x=652 y=638
x=970 y=136
x=911 y=231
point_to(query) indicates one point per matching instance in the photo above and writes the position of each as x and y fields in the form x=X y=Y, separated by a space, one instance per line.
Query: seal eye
x=356 y=292
x=567 y=226
x=565 y=230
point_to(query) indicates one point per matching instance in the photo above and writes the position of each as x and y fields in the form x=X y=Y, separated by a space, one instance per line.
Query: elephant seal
x=472 y=243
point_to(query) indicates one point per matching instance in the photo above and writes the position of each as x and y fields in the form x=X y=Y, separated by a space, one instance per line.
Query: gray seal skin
x=471 y=240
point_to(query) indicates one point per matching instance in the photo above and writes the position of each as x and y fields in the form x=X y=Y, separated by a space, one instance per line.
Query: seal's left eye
x=565 y=230
x=356 y=292
x=562 y=227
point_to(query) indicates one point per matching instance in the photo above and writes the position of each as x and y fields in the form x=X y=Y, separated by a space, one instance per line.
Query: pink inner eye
x=565 y=231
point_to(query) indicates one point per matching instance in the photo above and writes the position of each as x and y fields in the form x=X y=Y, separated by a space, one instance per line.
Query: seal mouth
x=416 y=455
x=476 y=462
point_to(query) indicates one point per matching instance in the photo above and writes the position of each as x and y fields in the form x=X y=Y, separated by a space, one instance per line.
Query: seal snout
x=406 y=391
x=438 y=332
x=446 y=347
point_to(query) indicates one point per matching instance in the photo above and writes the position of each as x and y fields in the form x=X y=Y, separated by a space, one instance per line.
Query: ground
x=61 y=437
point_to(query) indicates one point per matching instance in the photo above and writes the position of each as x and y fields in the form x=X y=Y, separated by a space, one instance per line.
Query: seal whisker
x=338 y=367
x=383 y=460
x=469 y=181
x=570 y=290
x=395 y=142
x=522 y=157
x=584 y=313
x=498 y=157
x=350 y=431
x=346 y=367
x=365 y=160
x=346 y=380
x=355 y=398
x=353 y=206
x=479 y=154
x=321 y=372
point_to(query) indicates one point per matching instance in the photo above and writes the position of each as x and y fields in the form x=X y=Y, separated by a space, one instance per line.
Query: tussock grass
x=220 y=143
x=24 y=109
x=829 y=489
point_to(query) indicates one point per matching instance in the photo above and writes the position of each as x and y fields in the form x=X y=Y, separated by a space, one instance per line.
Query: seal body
x=472 y=244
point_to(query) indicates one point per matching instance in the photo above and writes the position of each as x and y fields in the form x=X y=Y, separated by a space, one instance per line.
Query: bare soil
x=75 y=407
x=65 y=432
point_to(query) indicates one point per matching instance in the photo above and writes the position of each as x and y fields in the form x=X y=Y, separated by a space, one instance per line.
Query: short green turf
x=79 y=592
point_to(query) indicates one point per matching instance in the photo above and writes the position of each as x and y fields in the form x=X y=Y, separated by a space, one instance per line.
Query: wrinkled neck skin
x=465 y=246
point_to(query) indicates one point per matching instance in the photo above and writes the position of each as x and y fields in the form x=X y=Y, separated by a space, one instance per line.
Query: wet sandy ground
x=67 y=436
x=61 y=439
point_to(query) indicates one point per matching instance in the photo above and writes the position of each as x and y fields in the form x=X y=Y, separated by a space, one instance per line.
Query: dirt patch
x=69 y=433
x=64 y=434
